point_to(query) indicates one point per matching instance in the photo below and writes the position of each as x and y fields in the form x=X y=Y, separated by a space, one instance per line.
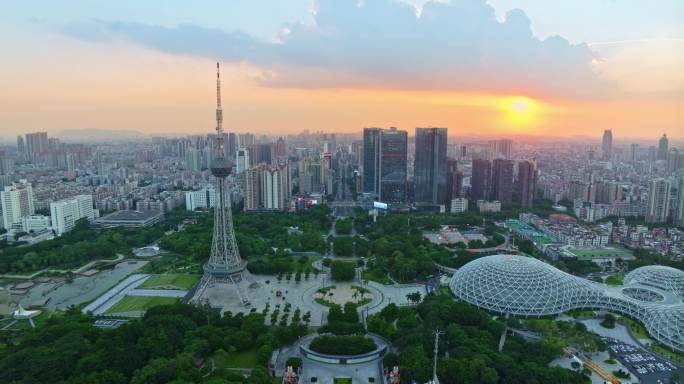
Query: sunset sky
x=497 y=67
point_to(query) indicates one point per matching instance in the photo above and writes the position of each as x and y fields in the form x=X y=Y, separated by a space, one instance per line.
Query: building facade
x=430 y=165
x=205 y=198
x=384 y=163
x=527 y=182
x=17 y=202
x=480 y=181
x=65 y=213
x=658 y=200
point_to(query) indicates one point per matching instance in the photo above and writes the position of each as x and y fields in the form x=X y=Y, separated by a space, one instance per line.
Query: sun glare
x=520 y=111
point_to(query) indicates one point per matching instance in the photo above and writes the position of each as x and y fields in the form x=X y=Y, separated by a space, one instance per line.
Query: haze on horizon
x=514 y=67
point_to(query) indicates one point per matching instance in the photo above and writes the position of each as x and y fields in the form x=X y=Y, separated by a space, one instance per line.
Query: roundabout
x=381 y=348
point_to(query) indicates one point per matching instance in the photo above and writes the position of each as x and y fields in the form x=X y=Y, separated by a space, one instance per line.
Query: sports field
x=592 y=253
x=140 y=303
x=170 y=281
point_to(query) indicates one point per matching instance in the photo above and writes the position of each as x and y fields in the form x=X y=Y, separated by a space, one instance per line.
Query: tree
x=608 y=321
x=342 y=270
x=413 y=297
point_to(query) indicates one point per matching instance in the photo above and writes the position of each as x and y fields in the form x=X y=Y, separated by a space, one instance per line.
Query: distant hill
x=99 y=135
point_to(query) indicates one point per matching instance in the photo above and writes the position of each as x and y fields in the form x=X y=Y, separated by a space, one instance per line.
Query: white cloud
x=386 y=44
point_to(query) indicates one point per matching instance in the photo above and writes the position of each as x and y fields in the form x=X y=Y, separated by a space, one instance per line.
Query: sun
x=519 y=111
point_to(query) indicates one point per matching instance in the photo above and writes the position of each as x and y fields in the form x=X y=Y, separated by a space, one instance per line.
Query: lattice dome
x=520 y=285
x=524 y=286
x=659 y=276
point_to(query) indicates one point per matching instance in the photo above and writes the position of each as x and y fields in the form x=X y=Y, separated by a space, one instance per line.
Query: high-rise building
x=527 y=182
x=17 y=202
x=65 y=213
x=674 y=162
x=500 y=149
x=275 y=187
x=607 y=192
x=242 y=161
x=252 y=188
x=454 y=182
x=658 y=200
x=6 y=164
x=21 y=148
x=245 y=140
x=679 y=213
x=502 y=181
x=36 y=145
x=204 y=198
x=267 y=187
x=652 y=154
x=663 y=147
x=430 y=165
x=607 y=145
x=480 y=181
x=232 y=145
x=384 y=163
x=634 y=152
x=280 y=149
x=581 y=190
x=193 y=159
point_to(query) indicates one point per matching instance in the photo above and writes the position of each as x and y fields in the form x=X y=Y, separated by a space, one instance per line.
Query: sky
x=493 y=68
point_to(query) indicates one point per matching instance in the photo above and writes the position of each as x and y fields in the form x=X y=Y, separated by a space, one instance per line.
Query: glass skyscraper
x=430 y=165
x=384 y=163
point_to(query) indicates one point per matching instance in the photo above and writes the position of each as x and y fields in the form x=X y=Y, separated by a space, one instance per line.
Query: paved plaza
x=82 y=289
x=302 y=295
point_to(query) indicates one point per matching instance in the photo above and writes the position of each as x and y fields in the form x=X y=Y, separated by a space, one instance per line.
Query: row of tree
x=168 y=345
x=468 y=348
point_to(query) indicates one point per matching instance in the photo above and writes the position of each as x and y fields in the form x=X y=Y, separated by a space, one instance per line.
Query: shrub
x=342 y=270
x=342 y=345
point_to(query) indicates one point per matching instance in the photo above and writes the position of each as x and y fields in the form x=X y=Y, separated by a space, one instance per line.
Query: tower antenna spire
x=219 y=111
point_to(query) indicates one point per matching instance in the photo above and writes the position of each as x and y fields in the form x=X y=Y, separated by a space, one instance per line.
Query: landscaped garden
x=140 y=303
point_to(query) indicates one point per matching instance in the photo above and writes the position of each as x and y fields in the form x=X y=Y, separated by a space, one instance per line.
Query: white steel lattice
x=524 y=286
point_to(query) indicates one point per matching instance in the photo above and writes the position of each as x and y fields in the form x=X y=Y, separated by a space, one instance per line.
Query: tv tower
x=225 y=265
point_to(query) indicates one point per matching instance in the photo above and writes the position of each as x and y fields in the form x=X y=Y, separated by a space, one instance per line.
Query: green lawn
x=582 y=313
x=171 y=280
x=342 y=380
x=377 y=277
x=590 y=253
x=615 y=279
x=637 y=329
x=675 y=356
x=140 y=303
x=246 y=359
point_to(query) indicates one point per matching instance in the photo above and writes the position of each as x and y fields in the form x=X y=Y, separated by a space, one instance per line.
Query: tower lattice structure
x=225 y=266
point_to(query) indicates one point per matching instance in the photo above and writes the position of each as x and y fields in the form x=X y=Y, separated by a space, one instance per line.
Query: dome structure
x=221 y=167
x=520 y=285
x=658 y=276
x=524 y=286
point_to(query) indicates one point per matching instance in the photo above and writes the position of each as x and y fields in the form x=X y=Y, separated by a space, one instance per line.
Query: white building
x=459 y=205
x=17 y=202
x=65 y=213
x=34 y=223
x=205 y=198
x=274 y=188
x=488 y=206
x=679 y=214
x=658 y=200
x=241 y=160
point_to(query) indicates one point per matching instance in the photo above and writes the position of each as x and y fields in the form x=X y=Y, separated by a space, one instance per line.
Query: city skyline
x=132 y=69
